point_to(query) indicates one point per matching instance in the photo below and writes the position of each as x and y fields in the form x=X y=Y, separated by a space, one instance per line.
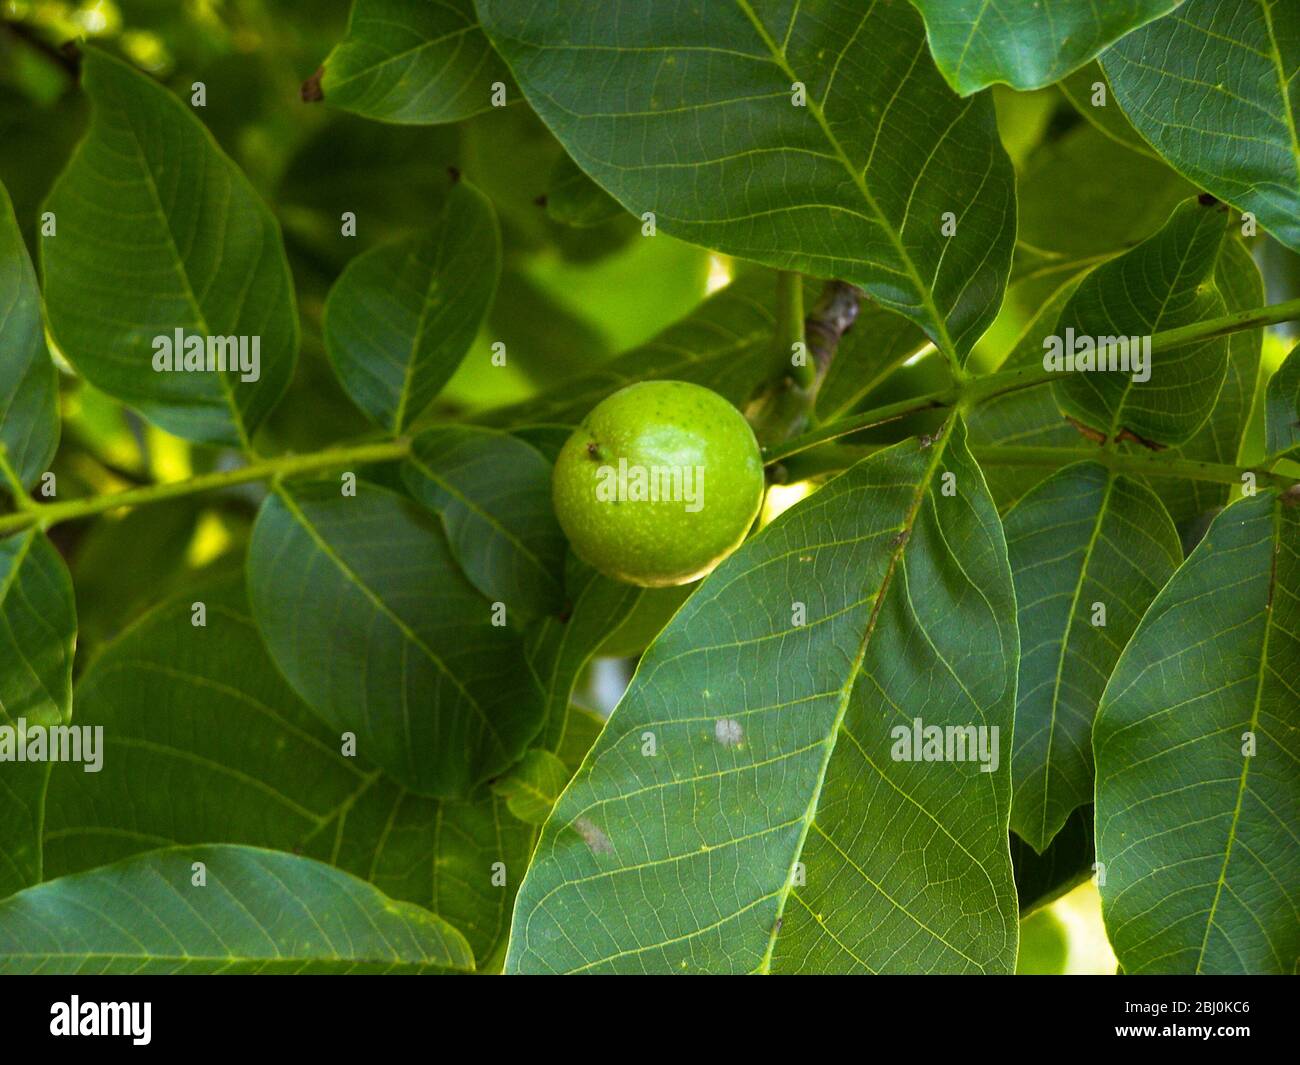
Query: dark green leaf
x=231 y=753
x=1067 y=863
x=258 y=912
x=29 y=392
x=126 y=563
x=364 y=609
x=531 y=787
x=419 y=62
x=159 y=231
x=560 y=647
x=1083 y=538
x=692 y=115
x=725 y=344
x=1221 y=438
x=1065 y=210
x=644 y=621
x=1282 y=411
x=576 y=200
x=1027 y=418
x=1081 y=89
x=38 y=628
x=1026 y=45
x=1213 y=88
x=401 y=317
x=1165 y=282
x=493 y=493
x=1196 y=743
x=717 y=825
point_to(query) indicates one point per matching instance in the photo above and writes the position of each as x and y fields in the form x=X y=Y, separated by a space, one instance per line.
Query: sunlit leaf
x=531 y=787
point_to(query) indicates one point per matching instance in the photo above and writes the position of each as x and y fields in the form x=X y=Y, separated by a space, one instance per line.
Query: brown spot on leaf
x=1095 y=435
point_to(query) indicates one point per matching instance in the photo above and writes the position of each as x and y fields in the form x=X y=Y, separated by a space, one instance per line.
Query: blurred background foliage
x=571 y=295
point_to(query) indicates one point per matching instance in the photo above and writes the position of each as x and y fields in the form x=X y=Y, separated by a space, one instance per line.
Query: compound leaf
x=1221 y=438
x=1165 y=282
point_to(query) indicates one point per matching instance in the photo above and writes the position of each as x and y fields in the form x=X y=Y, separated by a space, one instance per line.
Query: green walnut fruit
x=659 y=483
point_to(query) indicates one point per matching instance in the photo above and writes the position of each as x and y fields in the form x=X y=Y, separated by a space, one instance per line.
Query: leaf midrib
x=1093 y=540
x=178 y=264
x=846 y=692
x=1252 y=728
x=944 y=339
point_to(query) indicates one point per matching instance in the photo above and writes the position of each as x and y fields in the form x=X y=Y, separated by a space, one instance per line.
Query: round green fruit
x=659 y=483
